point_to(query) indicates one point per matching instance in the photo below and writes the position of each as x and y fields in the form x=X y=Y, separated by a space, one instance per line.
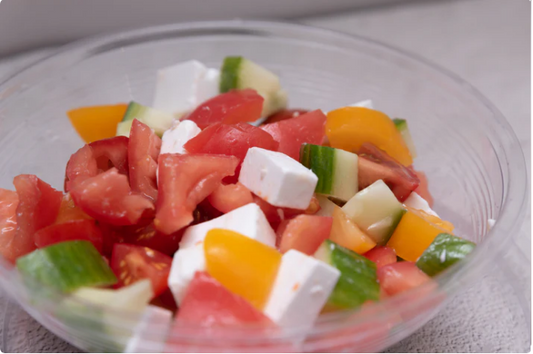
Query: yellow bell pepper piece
x=347 y=234
x=97 y=122
x=348 y=128
x=244 y=266
x=415 y=232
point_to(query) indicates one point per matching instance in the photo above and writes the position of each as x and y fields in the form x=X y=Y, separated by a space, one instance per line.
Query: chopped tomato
x=81 y=166
x=112 y=152
x=9 y=201
x=68 y=211
x=95 y=158
x=234 y=140
x=292 y=133
x=229 y=197
x=184 y=181
x=98 y=122
x=231 y=107
x=304 y=233
x=284 y=115
x=148 y=236
x=398 y=277
x=165 y=300
x=423 y=187
x=131 y=263
x=107 y=197
x=375 y=164
x=143 y=151
x=381 y=255
x=70 y=231
x=208 y=303
x=37 y=208
x=275 y=215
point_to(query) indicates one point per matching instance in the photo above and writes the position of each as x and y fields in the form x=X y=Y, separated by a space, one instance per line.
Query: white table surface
x=487 y=42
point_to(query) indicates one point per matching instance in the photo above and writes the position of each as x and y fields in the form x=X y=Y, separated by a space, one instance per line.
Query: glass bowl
x=466 y=147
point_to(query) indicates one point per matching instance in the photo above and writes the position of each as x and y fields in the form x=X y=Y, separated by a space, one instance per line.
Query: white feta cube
x=248 y=220
x=186 y=262
x=182 y=87
x=150 y=333
x=490 y=223
x=365 y=104
x=277 y=178
x=177 y=136
x=301 y=289
x=415 y=201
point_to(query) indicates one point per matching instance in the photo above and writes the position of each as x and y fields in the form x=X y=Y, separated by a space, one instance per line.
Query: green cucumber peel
x=66 y=266
x=443 y=252
x=229 y=74
x=358 y=280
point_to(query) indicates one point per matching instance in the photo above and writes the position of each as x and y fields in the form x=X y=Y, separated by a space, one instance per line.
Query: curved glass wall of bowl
x=468 y=150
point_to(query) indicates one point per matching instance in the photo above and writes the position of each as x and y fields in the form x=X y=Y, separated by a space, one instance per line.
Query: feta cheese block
x=182 y=87
x=150 y=333
x=277 y=178
x=177 y=136
x=415 y=201
x=186 y=262
x=301 y=289
x=365 y=104
x=248 y=220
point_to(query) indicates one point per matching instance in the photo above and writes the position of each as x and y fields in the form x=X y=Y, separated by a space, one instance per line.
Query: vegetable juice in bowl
x=309 y=225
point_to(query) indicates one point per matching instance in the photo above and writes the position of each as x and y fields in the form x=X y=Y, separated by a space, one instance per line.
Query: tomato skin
x=107 y=197
x=184 y=181
x=304 y=233
x=208 y=303
x=80 y=166
x=232 y=140
x=292 y=133
x=9 y=201
x=230 y=197
x=131 y=263
x=231 y=107
x=284 y=115
x=381 y=255
x=143 y=151
x=70 y=231
x=95 y=158
x=375 y=164
x=112 y=152
x=37 y=208
x=398 y=277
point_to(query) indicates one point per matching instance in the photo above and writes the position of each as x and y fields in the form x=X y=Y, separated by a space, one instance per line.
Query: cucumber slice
x=336 y=170
x=157 y=120
x=241 y=73
x=326 y=206
x=67 y=266
x=376 y=211
x=444 y=251
x=108 y=328
x=401 y=126
x=358 y=280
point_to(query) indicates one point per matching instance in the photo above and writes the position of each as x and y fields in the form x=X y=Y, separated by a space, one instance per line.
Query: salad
x=216 y=205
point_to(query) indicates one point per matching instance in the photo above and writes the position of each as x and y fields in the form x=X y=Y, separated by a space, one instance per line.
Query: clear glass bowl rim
x=516 y=186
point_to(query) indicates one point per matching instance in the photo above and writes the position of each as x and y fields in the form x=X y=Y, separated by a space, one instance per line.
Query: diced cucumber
x=444 y=251
x=401 y=126
x=241 y=73
x=157 y=120
x=326 y=206
x=110 y=328
x=376 y=211
x=336 y=170
x=67 y=266
x=358 y=280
